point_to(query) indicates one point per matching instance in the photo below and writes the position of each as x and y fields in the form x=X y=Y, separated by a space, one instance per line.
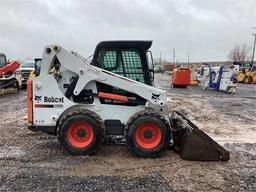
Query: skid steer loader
x=10 y=78
x=111 y=98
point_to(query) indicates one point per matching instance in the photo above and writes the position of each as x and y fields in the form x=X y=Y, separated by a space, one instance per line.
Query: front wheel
x=147 y=135
x=247 y=80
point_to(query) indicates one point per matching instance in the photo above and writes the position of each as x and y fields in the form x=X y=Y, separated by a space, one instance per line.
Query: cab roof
x=142 y=44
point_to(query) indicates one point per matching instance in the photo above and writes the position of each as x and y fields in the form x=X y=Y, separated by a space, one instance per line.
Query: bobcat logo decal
x=38 y=98
x=155 y=96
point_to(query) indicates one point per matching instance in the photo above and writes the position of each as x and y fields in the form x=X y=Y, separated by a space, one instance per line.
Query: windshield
x=2 y=60
x=28 y=64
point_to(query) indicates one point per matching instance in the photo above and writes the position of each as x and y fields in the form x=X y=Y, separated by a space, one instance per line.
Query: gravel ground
x=37 y=162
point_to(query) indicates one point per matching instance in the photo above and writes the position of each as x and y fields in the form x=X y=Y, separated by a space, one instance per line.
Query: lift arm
x=88 y=73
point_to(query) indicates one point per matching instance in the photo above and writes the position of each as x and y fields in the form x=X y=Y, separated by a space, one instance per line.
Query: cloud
x=207 y=29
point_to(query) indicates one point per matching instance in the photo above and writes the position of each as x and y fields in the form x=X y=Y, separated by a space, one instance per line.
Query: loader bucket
x=192 y=143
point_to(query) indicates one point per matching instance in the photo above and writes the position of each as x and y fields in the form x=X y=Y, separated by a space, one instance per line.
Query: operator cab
x=130 y=59
x=127 y=58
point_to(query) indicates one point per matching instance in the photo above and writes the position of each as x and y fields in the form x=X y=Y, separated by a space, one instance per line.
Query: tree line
x=240 y=54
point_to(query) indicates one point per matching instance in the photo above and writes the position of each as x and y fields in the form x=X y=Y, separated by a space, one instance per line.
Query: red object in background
x=9 y=67
x=169 y=67
x=181 y=77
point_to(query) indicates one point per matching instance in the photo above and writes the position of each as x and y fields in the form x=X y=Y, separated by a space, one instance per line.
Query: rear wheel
x=147 y=134
x=250 y=80
x=81 y=132
x=16 y=85
x=247 y=79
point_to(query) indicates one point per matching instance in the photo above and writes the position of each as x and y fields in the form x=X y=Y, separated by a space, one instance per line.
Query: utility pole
x=173 y=56
x=188 y=59
x=160 y=59
x=253 y=52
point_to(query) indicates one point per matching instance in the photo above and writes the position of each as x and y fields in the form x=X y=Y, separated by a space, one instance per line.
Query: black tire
x=247 y=80
x=16 y=85
x=250 y=80
x=84 y=118
x=135 y=123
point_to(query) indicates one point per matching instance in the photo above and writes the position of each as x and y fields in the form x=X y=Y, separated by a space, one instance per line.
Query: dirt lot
x=36 y=161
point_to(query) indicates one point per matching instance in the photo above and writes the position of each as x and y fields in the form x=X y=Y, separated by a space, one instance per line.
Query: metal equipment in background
x=111 y=98
x=10 y=79
x=181 y=77
x=218 y=78
x=247 y=73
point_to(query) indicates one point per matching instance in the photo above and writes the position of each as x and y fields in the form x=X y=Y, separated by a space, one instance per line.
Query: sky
x=207 y=29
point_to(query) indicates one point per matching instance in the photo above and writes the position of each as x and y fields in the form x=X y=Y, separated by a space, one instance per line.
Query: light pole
x=173 y=56
x=188 y=58
x=253 y=52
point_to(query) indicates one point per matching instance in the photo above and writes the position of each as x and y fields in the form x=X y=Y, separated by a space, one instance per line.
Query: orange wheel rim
x=80 y=134
x=148 y=135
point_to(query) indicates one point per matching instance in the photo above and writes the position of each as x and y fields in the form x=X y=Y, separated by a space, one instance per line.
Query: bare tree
x=240 y=54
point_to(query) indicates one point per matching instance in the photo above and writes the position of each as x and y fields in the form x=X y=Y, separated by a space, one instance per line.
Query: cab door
x=130 y=63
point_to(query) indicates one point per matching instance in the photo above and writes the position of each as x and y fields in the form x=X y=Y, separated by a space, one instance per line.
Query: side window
x=108 y=59
x=132 y=65
x=2 y=60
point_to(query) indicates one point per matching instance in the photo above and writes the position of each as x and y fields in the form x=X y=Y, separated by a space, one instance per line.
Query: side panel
x=50 y=102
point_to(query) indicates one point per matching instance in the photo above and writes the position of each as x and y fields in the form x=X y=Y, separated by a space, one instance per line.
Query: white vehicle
x=26 y=68
x=112 y=97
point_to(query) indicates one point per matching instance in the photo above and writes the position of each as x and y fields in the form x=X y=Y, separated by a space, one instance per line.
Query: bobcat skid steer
x=111 y=98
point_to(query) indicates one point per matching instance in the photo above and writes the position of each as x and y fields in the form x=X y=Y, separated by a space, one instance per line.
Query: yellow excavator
x=247 y=75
